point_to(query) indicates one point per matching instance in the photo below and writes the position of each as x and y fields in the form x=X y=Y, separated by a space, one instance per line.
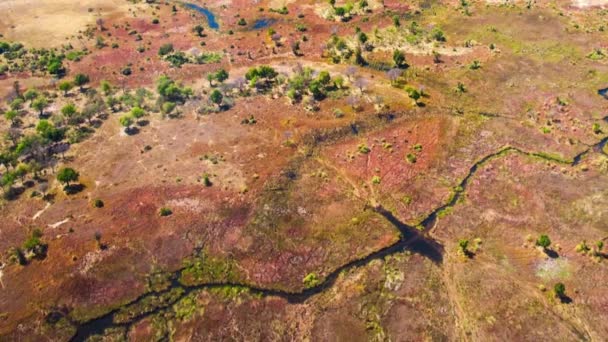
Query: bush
x=165 y=211
x=97 y=203
x=543 y=241
x=560 y=290
x=165 y=49
x=311 y=280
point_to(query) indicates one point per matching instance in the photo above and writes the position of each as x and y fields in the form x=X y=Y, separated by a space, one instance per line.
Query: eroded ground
x=301 y=217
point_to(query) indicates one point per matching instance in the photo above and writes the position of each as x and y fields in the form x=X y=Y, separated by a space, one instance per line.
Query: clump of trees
x=304 y=83
x=32 y=248
x=171 y=94
x=261 y=78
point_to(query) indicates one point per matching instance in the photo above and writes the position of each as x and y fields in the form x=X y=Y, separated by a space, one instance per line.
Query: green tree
x=414 y=94
x=66 y=86
x=126 y=121
x=221 y=75
x=16 y=104
x=106 y=87
x=69 y=110
x=210 y=78
x=30 y=94
x=11 y=115
x=165 y=49
x=396 y=21
x=67 y=175
x=398 y=58
x=543 y=241
x=138 y=112
x=362 y=37
x=216 y=97
x=80 y=80
x=560 y=290
x=324 y=78
x=40 y=104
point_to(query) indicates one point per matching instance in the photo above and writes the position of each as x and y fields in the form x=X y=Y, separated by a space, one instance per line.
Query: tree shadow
x=96 y=123
x=551 y=253
x=13 y=193
x=73 y=188
x=143 y=123
x=131 y=130
x=565 y=299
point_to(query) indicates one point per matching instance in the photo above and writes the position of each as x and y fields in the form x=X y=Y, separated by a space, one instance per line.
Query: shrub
x=411 y=158
x=311 y=280
x=165 y=211
x=543 y=241
x=560 y=290
x=97 y=203
x=165 y=49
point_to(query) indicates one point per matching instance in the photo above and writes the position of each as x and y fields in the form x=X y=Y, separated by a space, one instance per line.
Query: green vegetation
x=311 y=280
x=204 y=268
x=67 y=175
x=543 y=241
x=559 y=289
x=165 y=211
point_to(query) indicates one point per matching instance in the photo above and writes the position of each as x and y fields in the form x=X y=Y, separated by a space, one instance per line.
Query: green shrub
x=165 y=211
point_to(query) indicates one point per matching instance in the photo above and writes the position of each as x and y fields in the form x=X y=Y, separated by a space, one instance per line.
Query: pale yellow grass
x=48 y=23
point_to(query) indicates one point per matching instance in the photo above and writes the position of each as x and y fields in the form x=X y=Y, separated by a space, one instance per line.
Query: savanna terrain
x=275 y=170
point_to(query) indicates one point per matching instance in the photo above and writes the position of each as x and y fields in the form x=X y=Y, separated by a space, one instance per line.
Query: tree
x=398 y=58
x=16 y=104
x=106 y=87
x=436 y=57
x=199 y=30
x=210 y=78
x=138 y=112
x=216 y=97
x=560 y=290
x=362 y=37
x=332 y=3
x=66 y=86
x=543 y=241
x=112 y=102
x=7 y=180
x=414 y=94
x=30 y=94
x=438 y=35
x=126 y=121
x=80 y=80
x=221 y=75
x=463 y=247
x=40 y=104
x=69 y=110
x=11 y=115
x=324 y=78
x=396 y=21
x=165 y=49
x=67 y=175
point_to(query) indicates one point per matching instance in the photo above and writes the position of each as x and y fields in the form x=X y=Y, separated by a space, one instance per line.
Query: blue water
x=210 y=16
x=603 y=92
x=263 y=23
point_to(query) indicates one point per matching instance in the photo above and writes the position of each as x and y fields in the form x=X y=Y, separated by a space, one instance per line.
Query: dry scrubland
x=383 y=171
